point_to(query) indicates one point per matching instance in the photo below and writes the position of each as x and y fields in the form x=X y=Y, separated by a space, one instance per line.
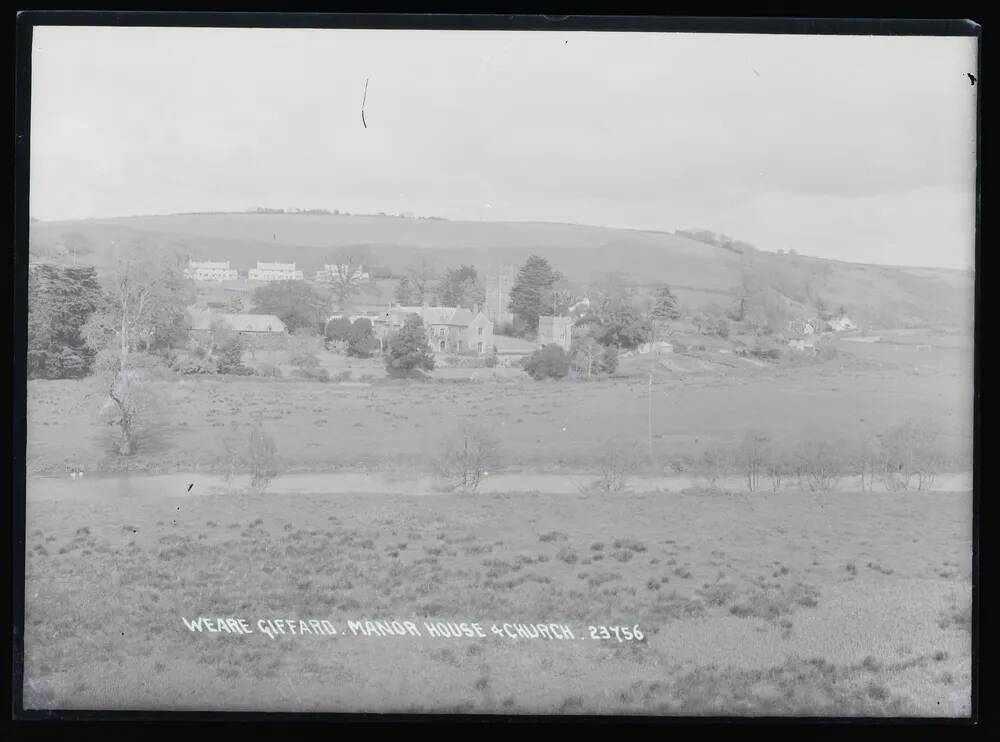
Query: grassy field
x=777 y=604
x=539 y=425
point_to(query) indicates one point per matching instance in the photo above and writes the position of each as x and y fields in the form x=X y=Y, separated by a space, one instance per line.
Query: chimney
x=475 y=308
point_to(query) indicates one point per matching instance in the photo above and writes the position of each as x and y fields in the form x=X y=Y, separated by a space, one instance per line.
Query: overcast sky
x=854 y=148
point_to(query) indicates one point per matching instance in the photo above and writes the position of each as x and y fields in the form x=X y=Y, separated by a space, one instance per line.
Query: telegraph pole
x=649 y=436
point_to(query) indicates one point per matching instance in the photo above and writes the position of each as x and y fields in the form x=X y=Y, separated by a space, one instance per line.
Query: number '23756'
x=621 y=633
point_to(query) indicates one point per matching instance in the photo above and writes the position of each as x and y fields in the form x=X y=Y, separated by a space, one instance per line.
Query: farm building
x=558 y=330
x=259 y=330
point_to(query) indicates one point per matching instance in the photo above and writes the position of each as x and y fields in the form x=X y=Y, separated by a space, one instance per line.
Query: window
x=442 y=345
x=480 y=347
x=480 y=333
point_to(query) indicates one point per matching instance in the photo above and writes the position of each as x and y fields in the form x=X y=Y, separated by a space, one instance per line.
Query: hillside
x=699 y=273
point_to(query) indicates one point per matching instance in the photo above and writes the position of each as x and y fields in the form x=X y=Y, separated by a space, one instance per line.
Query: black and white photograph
x=511 y=371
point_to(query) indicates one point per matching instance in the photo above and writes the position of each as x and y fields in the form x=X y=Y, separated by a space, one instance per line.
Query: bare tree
x=910 y=451
x=263 y=458
x=867 y=458
x=616 y=464
x=420 y=276
x=715 y=462
x=468 y=454
x=821 y=458
x=752 y=454
x=347 y=276
x=145 y=294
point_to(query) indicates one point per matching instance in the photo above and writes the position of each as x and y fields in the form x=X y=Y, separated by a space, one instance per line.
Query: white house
x=842 y=324
x=209 y=270
x=274 y=272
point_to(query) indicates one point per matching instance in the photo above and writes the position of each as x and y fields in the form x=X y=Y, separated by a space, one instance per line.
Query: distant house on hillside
x=580 y=310
x=803 y=346
x=656 y=349
x=841 y=324
x=209 y=270
x=800 y=327
x=557 y=330
x=274 y=272
x=258 y=330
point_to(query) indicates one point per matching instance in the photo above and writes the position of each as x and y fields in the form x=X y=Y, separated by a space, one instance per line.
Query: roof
x=254 y=322
x=201 y=320
x=461 y=317
x=438 y=315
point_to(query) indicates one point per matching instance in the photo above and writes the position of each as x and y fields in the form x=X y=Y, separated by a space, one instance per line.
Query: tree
x=407 y=294
x=60 y=301
x=263 y=458
x=461 y=287
x=585 y=354
x=548 y=362
x=338 y=329
x=910 y=450
x=361 y=341
x=821 y=458
x=588 y=357
x=418 y=278
x=622 y=325
x=531 y=295
x=617 y=316
x=296 y=303
x=347 y=277
x=752 y=454
x=145 y=293
x=665 y=309
x=409 y=349
x=468 y=454
x=616 y=463
x=226 y=348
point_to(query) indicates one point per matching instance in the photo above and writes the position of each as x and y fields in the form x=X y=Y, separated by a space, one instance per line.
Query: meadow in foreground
x=795 y=603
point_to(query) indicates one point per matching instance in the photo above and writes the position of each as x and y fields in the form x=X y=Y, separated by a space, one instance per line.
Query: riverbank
x=196 y=484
